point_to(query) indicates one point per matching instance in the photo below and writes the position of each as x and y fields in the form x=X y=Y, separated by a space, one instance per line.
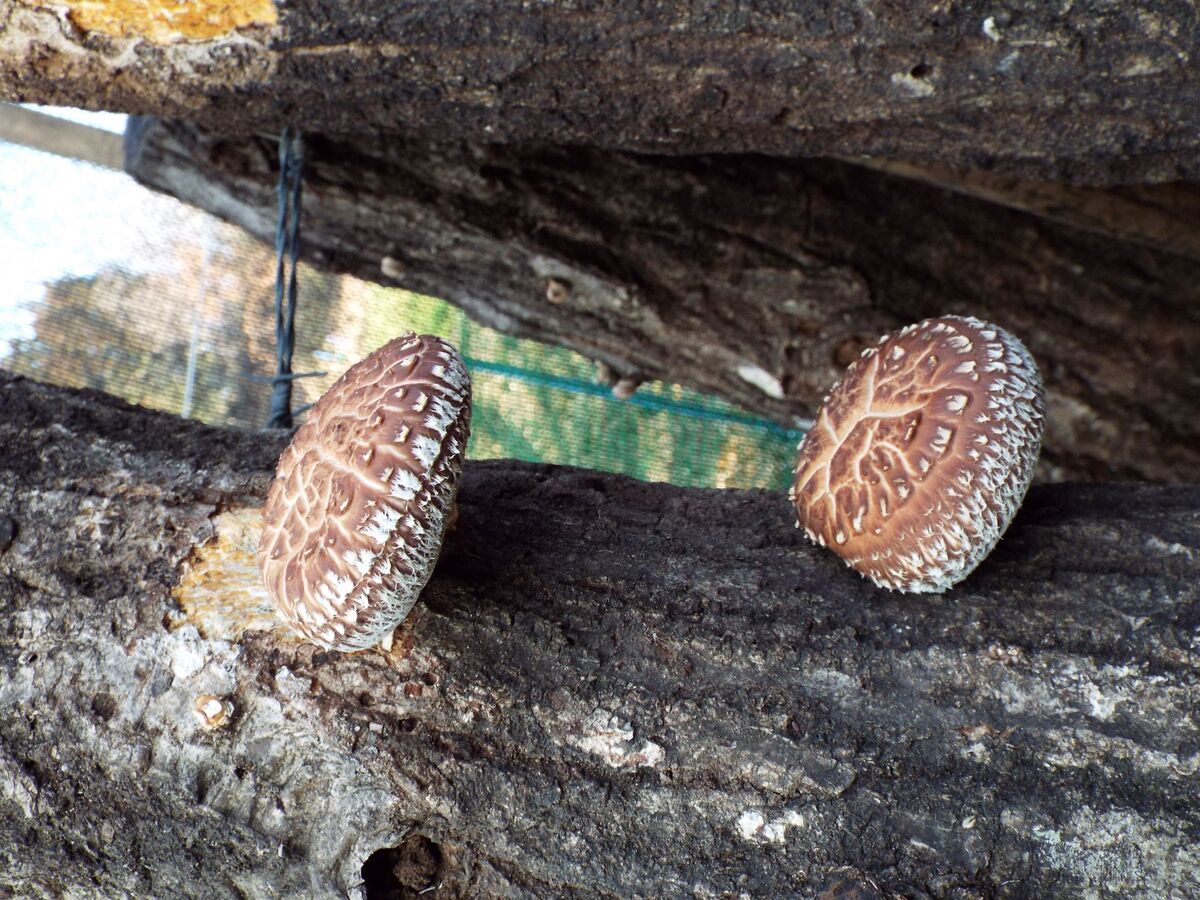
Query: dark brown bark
x=1093 y=91
x=1160 y=216
x=609 y=688
x=750 y=276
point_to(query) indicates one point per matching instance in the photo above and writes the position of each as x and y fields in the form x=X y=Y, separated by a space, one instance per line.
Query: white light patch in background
x=105 y=121
x=61 y=218
x=58 y=218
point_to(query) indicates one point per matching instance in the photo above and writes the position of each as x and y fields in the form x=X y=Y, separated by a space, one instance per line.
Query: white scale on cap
x=903 y=483
x=356 y=515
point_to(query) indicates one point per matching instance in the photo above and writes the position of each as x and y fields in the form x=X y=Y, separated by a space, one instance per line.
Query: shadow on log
x=609 y=688
x=754 y=278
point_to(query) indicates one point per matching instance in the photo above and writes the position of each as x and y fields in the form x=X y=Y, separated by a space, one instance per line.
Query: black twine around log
x=287 y=251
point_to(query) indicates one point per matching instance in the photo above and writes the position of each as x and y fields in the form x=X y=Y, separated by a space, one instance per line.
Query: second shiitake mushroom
x=920 y=456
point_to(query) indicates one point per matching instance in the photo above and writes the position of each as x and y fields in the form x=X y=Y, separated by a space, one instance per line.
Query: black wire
x=287 y=247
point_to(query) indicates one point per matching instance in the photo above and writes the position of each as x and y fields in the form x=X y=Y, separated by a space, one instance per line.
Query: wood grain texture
x=610 y=688
x=1091 y=91
x=753 y=278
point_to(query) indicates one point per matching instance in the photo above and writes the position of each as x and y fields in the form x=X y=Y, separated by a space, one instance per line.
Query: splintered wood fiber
x=220 y=590
x=165 y=22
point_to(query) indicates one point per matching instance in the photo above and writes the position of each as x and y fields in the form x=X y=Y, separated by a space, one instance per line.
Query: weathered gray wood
x=54 y=135
x=1090 y=91
x=754 y=278
x=610 y=688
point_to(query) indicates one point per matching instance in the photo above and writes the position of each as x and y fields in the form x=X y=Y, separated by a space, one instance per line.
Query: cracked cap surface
x=355 y=517
x=920 y=456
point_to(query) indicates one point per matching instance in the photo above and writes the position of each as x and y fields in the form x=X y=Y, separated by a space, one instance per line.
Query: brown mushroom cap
x=920 y=456
x=356 y=514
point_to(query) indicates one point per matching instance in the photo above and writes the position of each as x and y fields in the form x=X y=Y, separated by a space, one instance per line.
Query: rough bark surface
x=1090 y=91
x=610 y=688
x=755 y=278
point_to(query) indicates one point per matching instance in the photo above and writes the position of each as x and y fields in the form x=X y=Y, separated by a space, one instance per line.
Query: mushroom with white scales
x=362 y=496
x=920 y=456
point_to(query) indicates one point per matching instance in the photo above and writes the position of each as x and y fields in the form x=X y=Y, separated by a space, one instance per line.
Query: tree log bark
x=1094 y=91
x=609 y=688
x=754 y=278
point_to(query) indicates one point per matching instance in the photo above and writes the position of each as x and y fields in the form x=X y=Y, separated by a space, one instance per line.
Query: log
x=610 y=688
x=754 y=278
x=1092 y=92
x=1162 y=216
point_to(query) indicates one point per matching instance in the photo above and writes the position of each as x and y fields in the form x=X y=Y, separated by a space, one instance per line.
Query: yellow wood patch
x=166 y=22
x=221 y=591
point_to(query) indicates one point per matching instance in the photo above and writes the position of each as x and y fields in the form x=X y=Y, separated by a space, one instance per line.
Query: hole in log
x=8 y=532
x=104 y=707
x=404 y=872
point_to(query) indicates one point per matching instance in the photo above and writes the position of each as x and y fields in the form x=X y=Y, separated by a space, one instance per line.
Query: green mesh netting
x=178 y=315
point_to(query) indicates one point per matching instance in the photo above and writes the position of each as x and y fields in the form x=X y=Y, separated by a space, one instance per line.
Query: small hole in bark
x=920 y=70
x=104 y=706
x=8 y=532
x=404 y=872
